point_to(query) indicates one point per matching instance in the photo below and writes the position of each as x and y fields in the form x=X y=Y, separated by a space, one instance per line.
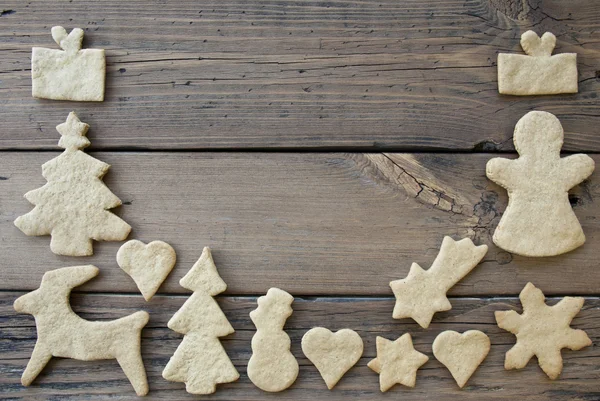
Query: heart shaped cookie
x=536 y=46
x=461 y=353
x=332 y=353
x=148 y=265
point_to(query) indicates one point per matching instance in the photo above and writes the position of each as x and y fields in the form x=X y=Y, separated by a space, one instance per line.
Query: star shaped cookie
x=397 y=362
x=73 y=133
x=423 y=292
x=542 y=331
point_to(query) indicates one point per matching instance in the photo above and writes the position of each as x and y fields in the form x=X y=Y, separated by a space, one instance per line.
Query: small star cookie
x=397 y=362
x=542 y=331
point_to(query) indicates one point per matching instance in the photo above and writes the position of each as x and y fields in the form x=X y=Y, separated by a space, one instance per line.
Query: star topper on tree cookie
x=70 y=73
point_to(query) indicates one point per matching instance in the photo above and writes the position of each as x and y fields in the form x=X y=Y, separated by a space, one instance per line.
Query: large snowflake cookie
x=542 y=331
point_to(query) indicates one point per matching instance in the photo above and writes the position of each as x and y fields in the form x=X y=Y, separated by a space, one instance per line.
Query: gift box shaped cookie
x=537 y=73
x=70 y=73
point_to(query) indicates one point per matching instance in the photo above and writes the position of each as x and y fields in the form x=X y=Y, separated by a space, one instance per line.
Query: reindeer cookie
x=70 y=73
x=272 y=366
x=62 y=333
x=539 y=220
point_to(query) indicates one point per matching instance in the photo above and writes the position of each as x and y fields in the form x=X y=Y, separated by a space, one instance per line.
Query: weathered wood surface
x=331 y=228
x=75 y=380
x=385 y=74
x=315 y=224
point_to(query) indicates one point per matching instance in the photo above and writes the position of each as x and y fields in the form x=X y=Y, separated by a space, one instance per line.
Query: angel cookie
x=539 y=220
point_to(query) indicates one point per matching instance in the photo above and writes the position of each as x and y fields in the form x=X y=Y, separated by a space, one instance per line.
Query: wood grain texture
x=315 y=224
x=75 y=380
x=331 y=228
x=386 y=74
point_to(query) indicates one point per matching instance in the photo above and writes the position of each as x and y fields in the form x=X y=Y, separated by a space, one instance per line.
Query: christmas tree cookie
x=272 y=366
x=200 y=361
x=73 y=206
x=539 y=220
x=63 y=334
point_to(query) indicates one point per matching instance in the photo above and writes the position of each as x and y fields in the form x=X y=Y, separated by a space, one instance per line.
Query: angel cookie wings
x=538 y=72
x=70 y=73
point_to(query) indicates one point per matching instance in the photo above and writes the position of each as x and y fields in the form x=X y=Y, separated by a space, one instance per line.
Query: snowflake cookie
x=542 y=331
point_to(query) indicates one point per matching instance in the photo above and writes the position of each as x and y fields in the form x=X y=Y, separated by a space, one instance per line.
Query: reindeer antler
x=70 y=277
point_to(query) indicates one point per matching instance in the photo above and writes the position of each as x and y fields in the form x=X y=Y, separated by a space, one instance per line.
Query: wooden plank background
x=370 y=317
x=314 y=224
x=317 y=146
x=368 y=74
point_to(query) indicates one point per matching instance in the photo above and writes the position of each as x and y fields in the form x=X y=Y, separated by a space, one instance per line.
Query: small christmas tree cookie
x=73 y=206
x=200 y=361
x=542 y=330
x=63 y=334
x=272 y=366
x=70 y=73
x=423 y=292
x=537 y=73
x=539 y=220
